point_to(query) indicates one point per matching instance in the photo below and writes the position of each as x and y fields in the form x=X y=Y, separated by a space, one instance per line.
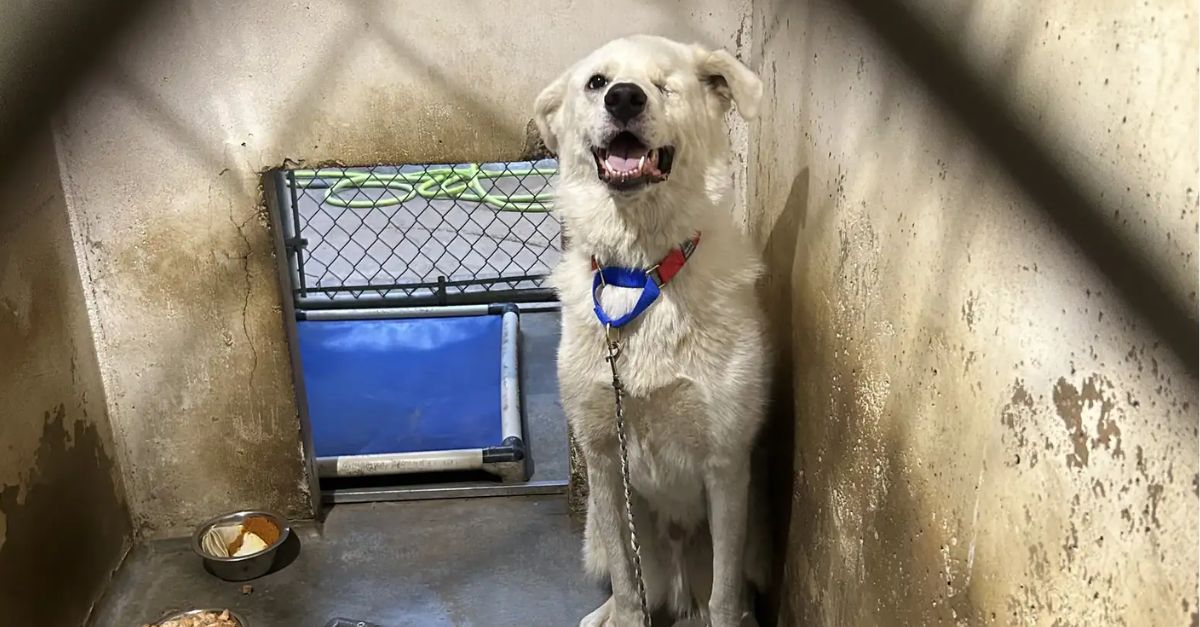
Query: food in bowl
x=221 y=542
x=253 y=535
x=204 y=618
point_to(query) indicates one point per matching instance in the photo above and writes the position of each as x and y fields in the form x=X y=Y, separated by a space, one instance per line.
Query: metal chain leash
x=613 y=342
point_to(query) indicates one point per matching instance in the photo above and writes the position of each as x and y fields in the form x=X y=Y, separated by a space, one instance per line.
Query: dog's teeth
x=641 y=164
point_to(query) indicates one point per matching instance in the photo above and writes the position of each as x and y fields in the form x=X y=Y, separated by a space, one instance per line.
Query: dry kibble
x=247 y=589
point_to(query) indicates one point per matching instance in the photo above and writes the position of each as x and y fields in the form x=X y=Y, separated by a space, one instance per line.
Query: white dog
x=643 y=149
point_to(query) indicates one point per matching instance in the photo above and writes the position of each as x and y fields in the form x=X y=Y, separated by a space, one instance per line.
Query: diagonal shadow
x=68 y=47
x=156 y=110
x=330 y=63
x=469 y=100
x=977 y=103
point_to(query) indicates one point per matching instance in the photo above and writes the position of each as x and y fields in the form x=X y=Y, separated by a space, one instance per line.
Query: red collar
x=666 y=269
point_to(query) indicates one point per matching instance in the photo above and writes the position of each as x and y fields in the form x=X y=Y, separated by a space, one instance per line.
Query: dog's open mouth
x=628 y=163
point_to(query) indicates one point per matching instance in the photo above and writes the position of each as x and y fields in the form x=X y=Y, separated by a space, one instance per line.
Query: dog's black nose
x=625 y=101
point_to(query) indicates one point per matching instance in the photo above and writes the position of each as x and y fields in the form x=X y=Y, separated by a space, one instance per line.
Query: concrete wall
x=64 y=524
x=979 y=425
x=161 y=152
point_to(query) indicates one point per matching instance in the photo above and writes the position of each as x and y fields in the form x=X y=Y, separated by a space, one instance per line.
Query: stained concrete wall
x=162 y=151
x=978 y=425
x=64 y=524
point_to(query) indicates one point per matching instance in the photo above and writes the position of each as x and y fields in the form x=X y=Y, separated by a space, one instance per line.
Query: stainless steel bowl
x=238 y=619
x=248 y=566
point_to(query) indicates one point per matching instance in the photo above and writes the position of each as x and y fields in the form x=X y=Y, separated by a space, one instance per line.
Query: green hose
x=461 y=182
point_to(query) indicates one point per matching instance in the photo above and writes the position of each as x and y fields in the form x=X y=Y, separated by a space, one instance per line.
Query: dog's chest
x=666 y=369
x=663 y=365
x=667 y=440
x=667 y=423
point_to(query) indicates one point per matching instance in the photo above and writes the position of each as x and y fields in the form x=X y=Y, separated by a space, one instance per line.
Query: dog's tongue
x=624 y=152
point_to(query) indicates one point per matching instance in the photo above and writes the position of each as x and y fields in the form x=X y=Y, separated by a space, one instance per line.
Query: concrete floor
x=545 y=422
x=480 y=561
x=491 y=562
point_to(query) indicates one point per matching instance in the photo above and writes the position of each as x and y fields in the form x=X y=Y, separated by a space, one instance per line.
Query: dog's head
x=641 y=110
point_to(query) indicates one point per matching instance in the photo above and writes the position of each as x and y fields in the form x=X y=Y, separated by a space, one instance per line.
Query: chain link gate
x=423 y=265
x=419 y=235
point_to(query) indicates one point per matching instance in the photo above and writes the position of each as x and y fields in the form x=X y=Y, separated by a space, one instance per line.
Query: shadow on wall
x=816 y=436
x=780 y=433
x=978 y=104
x=835 y=448
x=64 y=521
x=71 y=40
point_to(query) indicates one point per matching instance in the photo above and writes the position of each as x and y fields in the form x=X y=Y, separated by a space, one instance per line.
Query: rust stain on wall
x=1015 y=414
x=1071 y=403
x=66 y=528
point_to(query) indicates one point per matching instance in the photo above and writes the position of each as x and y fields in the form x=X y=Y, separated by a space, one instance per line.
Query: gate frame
x=508 y=459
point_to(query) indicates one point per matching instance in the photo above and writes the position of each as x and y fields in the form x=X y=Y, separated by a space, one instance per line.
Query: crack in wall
x=245 y=258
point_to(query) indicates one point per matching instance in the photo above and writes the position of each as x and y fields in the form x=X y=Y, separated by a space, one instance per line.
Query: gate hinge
x=295 y=243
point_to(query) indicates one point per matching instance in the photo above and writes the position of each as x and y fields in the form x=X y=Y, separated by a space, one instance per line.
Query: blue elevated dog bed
x=395 y=391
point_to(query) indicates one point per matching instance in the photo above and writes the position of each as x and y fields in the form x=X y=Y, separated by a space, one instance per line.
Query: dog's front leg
x=728 y=489
x=607 y=496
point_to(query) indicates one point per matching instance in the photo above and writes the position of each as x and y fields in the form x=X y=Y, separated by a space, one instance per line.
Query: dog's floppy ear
x=732 y=81
x=547 y=111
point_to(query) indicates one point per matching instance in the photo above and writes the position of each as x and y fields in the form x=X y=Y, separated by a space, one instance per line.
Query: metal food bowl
x=245 y=567
x=237 y=619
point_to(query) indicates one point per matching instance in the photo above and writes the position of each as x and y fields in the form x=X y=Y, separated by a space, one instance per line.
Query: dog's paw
x=749 y=621
x=746 y=620
x=699 y=621
x=608 y=615
x=600 y=617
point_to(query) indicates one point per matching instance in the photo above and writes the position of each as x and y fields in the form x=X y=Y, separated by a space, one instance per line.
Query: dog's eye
x=597 y=81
